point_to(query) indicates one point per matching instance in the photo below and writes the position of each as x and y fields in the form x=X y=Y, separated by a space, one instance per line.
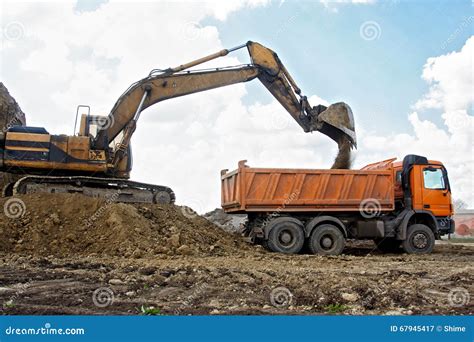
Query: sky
x=405 y=67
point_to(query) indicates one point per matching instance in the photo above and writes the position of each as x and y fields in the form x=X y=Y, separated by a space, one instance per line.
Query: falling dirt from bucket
x=343 y=159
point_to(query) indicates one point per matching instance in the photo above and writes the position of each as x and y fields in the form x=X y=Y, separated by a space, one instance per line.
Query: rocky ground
x=68 y=254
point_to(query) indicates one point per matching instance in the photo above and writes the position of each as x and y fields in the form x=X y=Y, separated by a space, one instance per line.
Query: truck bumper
x=446 y=225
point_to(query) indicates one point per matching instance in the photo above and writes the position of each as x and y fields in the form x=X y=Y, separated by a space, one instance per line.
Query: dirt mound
x=10 y=115
x=10 y=112
x=66 y=224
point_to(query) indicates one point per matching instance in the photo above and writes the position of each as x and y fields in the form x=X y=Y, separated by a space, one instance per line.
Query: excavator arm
x=336 y=121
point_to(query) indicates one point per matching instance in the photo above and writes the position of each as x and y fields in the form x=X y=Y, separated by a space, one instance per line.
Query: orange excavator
x=96 y=161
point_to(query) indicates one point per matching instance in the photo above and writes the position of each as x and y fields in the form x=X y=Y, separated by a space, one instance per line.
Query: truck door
x=436 y=195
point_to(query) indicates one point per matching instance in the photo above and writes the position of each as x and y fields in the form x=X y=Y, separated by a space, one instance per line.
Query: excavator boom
x=336 y=121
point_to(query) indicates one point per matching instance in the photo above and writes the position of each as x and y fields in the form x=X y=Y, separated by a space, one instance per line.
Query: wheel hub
x=326 y=242
x=285 y=237
x=420 y=241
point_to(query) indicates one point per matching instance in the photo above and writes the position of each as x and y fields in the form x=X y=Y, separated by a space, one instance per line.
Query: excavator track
x=116 y=189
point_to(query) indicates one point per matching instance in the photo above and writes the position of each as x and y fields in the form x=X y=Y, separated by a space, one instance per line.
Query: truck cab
x=423 y=186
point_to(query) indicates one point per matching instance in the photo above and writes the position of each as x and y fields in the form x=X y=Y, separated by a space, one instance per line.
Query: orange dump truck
x=397 y=204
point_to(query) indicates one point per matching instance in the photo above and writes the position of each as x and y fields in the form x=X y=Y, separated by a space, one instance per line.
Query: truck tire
x=420 y=239
x=326 y=239
x=388 y=245
x=286 y=235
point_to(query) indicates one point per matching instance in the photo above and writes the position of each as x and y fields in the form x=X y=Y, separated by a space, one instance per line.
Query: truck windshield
x=433 y=179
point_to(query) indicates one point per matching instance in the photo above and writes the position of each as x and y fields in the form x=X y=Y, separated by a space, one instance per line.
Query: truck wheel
x=326 y=239
x=420 y=239
x=388 y=245
x=286 y=236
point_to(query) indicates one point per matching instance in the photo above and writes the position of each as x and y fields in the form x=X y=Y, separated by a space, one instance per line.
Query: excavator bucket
x=337 y=122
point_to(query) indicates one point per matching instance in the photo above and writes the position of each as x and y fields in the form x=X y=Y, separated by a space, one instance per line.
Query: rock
x=147 y=270
x=185 y=250
x=167 y=273
x=130 y=293
x=174 y=240
x=55 y=218
x=215 y=312
x=350 y=297
x=393 y=313
x=158 y=278
x=116 y=282
x=228 y=222
x=214 y=303
x=5 y=290
x=137 y=253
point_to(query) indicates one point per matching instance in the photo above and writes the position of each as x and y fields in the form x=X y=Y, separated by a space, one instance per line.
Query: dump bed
x=303 y=190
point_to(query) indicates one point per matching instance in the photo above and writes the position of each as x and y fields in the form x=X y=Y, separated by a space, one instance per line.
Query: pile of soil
x=10 y=115
x=10 y=112
x=73 y=224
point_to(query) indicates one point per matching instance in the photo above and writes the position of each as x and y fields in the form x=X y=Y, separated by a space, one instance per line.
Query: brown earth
x=65 y=248
x=343 y=159
x=10 y=112
x=65 y=224
x=10 y=115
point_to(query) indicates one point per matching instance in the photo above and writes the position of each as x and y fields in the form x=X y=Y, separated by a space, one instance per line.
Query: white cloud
x=333 y=5
x=451 y=91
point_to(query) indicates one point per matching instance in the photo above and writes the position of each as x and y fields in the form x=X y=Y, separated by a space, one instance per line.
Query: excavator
x=96 y=161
